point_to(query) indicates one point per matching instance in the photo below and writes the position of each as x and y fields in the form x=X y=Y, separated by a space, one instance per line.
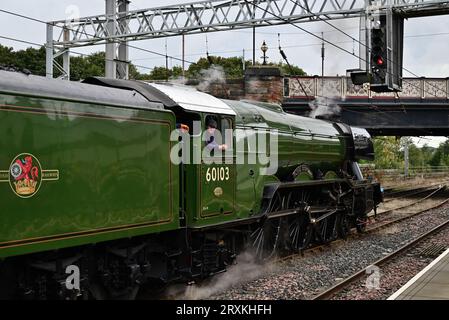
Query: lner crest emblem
x=25 y=175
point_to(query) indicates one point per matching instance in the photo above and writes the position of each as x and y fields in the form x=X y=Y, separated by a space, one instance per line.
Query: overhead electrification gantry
x=119 y=25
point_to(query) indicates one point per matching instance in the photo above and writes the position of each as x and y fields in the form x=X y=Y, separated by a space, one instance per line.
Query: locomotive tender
x=86 y=179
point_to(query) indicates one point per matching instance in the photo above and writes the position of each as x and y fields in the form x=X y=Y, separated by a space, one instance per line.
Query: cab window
x=217 y=138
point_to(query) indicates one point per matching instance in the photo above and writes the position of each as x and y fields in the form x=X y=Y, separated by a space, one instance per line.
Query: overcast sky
x=426 y=46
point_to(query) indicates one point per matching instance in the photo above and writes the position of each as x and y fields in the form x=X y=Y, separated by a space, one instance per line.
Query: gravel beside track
x=302 y=277
x=396 y=273
x=403 y=184
x=410 y=208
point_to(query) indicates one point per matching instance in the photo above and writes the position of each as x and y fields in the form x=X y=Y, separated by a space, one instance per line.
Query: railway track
x=410 y=193
x=395 y=193
x=386 y=219
x=411 y=204
x=307 y=274
x=178 y=291
x=349 y=280
x=329 y=293
x=373 y=226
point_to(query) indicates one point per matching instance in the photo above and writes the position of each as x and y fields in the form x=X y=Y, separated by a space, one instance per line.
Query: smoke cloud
x=215 y=74
x=244 y=270
x=324 y=107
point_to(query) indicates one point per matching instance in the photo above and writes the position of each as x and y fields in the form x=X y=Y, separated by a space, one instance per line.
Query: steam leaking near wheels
x=245 y=269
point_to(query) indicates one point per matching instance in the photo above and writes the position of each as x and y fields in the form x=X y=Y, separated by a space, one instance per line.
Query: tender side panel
x=112 y=174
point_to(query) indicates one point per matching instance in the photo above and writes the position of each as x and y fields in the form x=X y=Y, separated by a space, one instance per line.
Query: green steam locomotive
x=123 y=180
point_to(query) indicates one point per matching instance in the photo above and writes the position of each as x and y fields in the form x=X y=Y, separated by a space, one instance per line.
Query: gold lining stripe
x=4 y=176
x=80 y=114
x=53 y=174
x=50 y=175
x=70 y=236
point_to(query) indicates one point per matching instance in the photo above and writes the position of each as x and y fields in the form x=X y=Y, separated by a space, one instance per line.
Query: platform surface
x=432 y=283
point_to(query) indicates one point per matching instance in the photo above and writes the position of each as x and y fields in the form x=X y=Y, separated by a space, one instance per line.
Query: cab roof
x=170 y=95
x=191 y=99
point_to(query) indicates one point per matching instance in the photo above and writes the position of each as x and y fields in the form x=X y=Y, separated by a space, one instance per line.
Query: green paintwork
x=115 y=175
x=203 y=207
x=217 y=189
x=330 y=175
x=304 y=176
x=301 y=141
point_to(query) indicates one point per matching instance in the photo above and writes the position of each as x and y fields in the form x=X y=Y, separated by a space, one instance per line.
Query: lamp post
x=264 y=49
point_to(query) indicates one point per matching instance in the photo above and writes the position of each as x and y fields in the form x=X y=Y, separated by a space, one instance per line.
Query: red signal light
x=379 y=61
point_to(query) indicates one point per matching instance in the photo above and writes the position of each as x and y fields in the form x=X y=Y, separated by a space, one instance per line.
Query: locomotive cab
x=211 y=177
x=208 y=186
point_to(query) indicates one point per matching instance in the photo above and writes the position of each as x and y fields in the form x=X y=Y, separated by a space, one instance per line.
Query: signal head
x=379 y=61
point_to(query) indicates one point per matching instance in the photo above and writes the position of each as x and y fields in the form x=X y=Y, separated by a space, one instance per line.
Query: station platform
x=432 y=283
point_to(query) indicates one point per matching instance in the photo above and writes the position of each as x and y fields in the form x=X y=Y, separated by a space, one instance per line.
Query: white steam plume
x=215 y=74
x=323 y=107
x=244 y=270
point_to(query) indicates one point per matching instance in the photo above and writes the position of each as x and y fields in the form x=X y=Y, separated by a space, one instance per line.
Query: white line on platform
x=419 y=275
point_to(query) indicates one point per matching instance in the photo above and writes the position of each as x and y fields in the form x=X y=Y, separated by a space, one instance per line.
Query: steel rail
x=329 y=293
x=389 y=193
x=388 y=223
x=413 y=203
x=179 y=292
x=410 y=192
x=354 y=234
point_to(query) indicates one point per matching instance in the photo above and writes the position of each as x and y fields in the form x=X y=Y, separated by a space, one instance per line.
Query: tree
x=427 y=154
x=160 y=73
x=30 y=59
x=232 y=67
x=89 y=66
x=176 y=72
x=415 y=156
x=387 y=154
x=6 y=56
x=293 y=71
x=82 y=67
x=441 y=155
x=134 y=74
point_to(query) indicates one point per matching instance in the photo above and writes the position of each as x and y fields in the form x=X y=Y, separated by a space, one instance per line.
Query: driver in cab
x=211 y=143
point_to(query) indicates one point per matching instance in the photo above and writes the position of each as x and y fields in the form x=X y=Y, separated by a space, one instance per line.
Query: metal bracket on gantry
x=119 y=25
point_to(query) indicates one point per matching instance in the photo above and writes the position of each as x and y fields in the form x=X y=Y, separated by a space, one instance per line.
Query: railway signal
x=381 y=65
x=379 y=61
x=385 y=58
